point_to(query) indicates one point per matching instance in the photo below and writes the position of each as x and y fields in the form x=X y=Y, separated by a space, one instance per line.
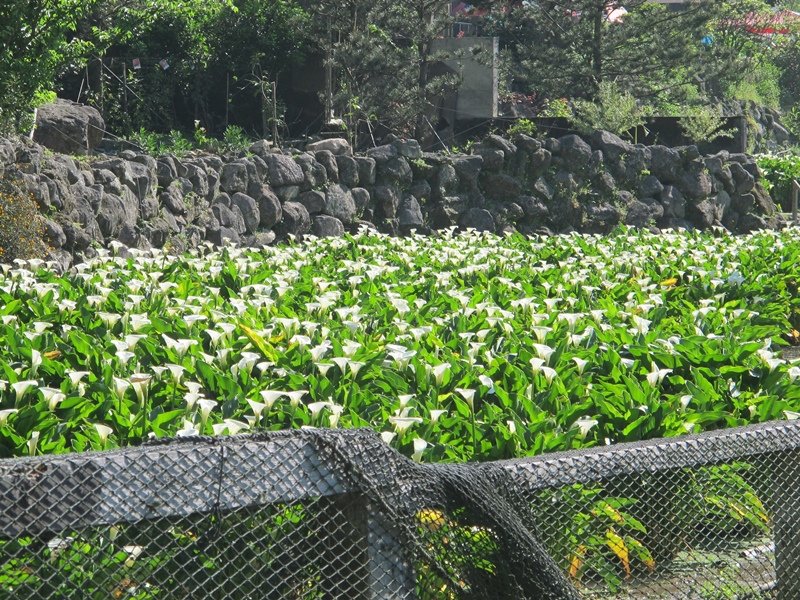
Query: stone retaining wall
x=523 y=184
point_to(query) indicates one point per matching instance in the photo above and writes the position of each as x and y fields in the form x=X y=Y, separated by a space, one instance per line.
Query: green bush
x=761 y=86
x=704 y=124
x=614 y=110
x=779 y=171
x=557 y=108
x=791 y=120
x=21 y=228
x=235 y=139
x=175 y=142
x=524 y=126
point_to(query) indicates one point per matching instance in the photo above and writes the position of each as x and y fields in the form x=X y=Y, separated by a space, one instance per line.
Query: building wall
x=477 y=97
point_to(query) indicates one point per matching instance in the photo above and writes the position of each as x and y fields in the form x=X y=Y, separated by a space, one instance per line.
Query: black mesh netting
x=324 y=514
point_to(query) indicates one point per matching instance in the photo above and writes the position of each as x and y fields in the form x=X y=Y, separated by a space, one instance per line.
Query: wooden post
x=227 y=95
x=744 y=133
x=795 y=191
x=125 y=86
x=102 y=87
x=263 y=107
x=328 y=76
x=786 y=528
x=275 y=112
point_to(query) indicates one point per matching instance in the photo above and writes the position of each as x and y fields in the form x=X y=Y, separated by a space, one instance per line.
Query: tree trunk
x=597 y=44
x=422 y=85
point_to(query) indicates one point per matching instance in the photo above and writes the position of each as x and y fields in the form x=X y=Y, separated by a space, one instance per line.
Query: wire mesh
x=337 y=514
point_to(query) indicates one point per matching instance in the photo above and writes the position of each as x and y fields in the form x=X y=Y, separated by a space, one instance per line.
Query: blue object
x=707 y=40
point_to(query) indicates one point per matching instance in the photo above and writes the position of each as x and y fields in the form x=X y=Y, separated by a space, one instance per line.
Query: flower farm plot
x=455 y=348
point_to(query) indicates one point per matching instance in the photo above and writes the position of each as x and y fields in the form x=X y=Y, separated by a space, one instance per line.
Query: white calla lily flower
x=419 y=447
x=103 y=431
x=21 y=388
x=5 y=413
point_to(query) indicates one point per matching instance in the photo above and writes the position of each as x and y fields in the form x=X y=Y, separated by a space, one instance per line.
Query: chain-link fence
x=325 y=514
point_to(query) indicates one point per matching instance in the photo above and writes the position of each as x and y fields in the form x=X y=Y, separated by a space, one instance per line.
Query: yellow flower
x=431 y=519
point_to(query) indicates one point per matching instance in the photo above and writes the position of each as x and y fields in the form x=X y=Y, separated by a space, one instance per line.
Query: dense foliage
x=455 y=348
x=33 y=45
x=779 y=172
x=382 y=60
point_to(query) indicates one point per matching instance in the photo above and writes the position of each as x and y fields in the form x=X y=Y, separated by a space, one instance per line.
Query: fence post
x=384 y=571
x=786 y=515
x=389 y=572
x=795 y=191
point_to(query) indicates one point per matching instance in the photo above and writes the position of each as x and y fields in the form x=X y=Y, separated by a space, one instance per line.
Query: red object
x=781 y=23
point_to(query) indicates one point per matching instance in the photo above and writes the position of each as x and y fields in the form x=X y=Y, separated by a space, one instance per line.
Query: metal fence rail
x=337 y=514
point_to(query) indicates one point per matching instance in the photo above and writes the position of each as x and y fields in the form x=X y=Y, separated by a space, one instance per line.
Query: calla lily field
x=454 y=347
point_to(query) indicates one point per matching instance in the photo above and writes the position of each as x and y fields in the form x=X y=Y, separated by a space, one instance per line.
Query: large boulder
x=695 y=182
x=313 y=200
x=408 y=148
x=673 y=202
x=269 y=207
x=249 y=209
x=394 y=171
x=499 y=143
x=366 y=170
x=295 y=220
x=409 y=214
x=110 y=215
x=348 y=170
x=234 y=178
x=575 y=152
x=666 y=164
x=644 y=213
x=339 y=203
x=336 y=146
x=327 y=226
x=387 y=200
x=361 y=198
x=500 y=187
x=328 y=160
x=479 y=219
x=67 y=127
x=468 y=169
x=533 y=208
x=602 y=218
x=283 y=170
x=613 y=147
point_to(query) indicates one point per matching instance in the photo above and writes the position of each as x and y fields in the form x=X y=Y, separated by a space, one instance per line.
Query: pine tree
x=383 y=60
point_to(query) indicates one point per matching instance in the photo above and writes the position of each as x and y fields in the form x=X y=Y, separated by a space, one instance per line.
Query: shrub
x=778 y=173
x=157 y=144
x=234 y=139
x=524 y=126
x=791 y=120
x=557 y=108
x=704 y=124
x=21 y=227
x=614 y=110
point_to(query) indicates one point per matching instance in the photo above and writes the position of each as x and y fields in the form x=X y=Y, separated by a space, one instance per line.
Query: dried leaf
x=617 y=545
x=577 y=561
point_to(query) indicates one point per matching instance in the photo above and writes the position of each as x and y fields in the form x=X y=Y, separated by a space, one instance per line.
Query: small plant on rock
x=21 y=228
x=235 y=139
x=523 y=126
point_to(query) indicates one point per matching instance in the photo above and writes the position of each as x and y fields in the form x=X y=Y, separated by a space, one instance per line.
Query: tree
x=252 y=44
x=33 y=44
x=383 y=57
x=212 y=50
x=566 y=48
